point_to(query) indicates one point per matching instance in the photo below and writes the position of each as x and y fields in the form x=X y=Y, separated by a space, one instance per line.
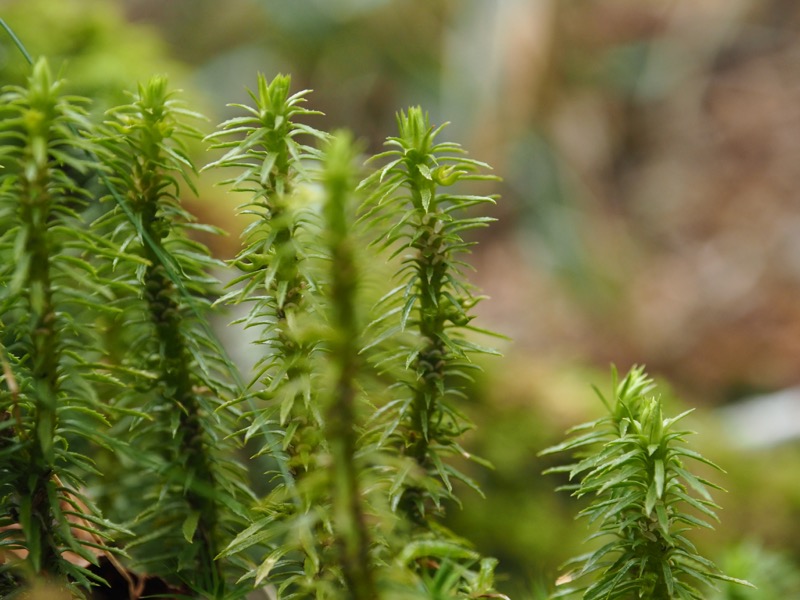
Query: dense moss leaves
x=51 y=298
x=643 y=496
x=360 y=437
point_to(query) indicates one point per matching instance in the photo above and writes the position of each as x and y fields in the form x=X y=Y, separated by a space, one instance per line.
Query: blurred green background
x=649 y=152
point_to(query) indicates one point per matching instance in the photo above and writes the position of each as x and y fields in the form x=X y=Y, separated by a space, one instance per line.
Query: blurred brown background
x=650 y=210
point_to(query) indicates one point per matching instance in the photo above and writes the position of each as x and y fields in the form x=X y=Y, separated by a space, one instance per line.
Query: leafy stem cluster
x=117 y=398
x=300 y=274
x=275 y=277
x=177 y=374
x=632 y=463
x=50 y=399
x=420 y=219
x=99 y=254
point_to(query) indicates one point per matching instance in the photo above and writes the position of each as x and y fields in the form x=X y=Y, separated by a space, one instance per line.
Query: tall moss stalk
x=182 y=381
x=274 y=279
x=421 y=221
x=631 y=463
x=342 y=430
x=279 y=284
x=51 y=407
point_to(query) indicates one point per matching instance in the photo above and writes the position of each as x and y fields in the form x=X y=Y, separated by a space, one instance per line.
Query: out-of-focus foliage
x=774 y=576
x=643 y=145
x=87 y=41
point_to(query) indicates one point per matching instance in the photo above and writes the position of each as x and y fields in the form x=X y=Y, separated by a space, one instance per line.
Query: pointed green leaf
x=190 y=525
